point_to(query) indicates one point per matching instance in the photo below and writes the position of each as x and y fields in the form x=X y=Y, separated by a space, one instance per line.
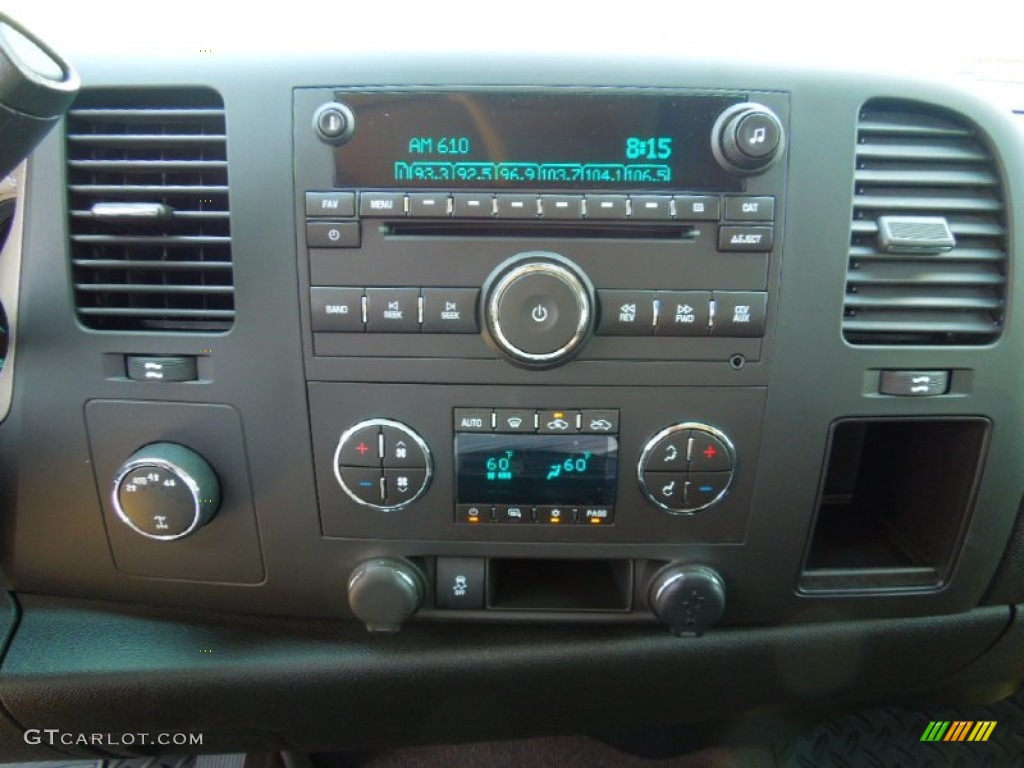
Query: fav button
x=329 y=204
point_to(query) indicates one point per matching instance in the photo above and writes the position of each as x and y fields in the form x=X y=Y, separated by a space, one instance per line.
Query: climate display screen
x=536 y=469
x=636 y=140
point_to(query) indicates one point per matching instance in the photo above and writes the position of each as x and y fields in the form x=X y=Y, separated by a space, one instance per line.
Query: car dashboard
x=579 y=381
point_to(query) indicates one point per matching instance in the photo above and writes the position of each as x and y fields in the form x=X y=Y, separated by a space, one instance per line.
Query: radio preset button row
x=596 y=421
x=394 y=310
x=534 y=205
x=524 y=514
x=681 y=313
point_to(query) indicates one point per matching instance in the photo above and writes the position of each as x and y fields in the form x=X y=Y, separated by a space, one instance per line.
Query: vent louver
x=924 y=170
x=148 y=201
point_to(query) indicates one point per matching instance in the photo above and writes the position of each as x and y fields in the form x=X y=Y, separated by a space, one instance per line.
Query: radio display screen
x=536 y=469
x=564 y=140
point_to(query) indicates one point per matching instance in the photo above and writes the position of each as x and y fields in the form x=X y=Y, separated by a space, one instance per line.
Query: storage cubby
x=895 y=500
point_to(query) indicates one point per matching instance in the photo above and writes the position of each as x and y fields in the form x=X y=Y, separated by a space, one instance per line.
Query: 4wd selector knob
x=747 y=138
x=165 y=491
x=538 y=309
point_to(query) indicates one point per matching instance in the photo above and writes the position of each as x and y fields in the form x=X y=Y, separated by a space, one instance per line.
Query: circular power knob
x=689 y=598
x=538 y=309
x=165 y=491
x=747 y=139
x=383 y=593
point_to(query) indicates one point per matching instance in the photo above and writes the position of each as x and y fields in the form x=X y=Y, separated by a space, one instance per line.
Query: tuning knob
x=165 y=491
x=538 y=309
x=747 y=138
x=383 y=593
x=689 y=598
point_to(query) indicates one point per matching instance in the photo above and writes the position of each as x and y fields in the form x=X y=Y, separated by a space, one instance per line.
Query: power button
x=538 y=312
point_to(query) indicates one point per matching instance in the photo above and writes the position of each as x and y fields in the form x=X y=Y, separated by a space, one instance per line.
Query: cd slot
x=574 y=230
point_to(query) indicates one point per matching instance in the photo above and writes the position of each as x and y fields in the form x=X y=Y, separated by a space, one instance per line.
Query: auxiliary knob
x=538 y=309
x=747 y=138
x=689 y=598
x=383 y=593
x=165 y=491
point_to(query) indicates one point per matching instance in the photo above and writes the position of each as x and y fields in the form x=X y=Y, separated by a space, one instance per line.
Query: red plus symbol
x=710 y=452
x=362 y=448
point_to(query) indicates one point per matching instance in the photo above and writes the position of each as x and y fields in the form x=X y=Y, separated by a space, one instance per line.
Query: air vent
x=148 y=201
x=926 y=174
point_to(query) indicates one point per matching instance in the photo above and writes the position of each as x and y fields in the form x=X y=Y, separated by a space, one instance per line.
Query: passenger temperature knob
x=689 y=598
x=165 y=491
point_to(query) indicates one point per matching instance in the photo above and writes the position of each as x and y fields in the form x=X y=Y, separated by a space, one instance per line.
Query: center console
x=537 y=316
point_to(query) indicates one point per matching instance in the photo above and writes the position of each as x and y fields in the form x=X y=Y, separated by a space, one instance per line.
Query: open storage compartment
x=894 y=503
x=559 y=585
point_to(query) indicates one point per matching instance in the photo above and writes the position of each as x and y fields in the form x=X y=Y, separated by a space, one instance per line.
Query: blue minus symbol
x=706 y=488
x=366 y=483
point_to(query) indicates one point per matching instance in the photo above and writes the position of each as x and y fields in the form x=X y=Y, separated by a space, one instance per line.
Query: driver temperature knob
x=689 y=598
x=383 y=593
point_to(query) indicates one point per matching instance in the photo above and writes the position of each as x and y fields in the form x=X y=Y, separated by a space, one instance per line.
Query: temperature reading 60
x=571 y=464
x=652 y=148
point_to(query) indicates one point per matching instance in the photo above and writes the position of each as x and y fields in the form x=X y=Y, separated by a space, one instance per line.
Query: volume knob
x=747 y=139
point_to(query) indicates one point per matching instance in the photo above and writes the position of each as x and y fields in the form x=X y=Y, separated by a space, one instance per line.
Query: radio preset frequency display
x=537 y=140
